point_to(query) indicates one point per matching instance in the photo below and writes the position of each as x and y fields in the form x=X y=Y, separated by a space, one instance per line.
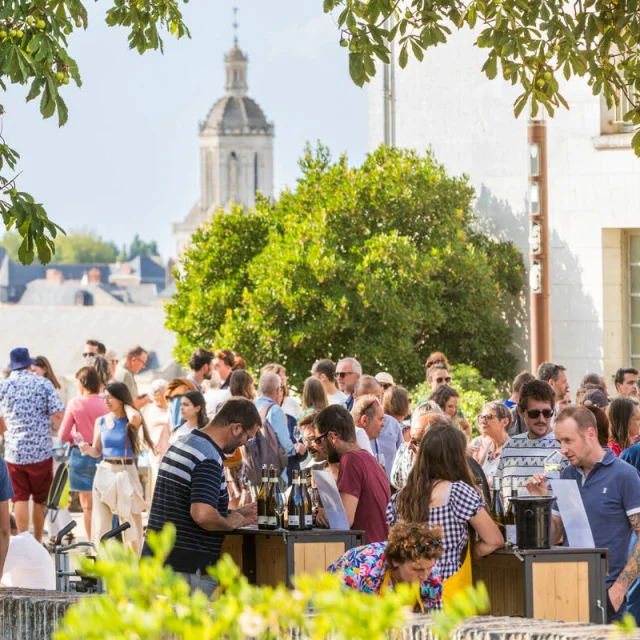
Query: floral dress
x=364 y=569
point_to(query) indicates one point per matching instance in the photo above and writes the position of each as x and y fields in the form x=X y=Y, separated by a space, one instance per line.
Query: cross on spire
x=235 y=26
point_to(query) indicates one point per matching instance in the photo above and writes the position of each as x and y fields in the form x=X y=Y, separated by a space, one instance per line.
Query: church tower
x=236 y=151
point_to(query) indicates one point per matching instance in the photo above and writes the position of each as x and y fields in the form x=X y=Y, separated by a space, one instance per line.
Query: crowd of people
x=412 y=476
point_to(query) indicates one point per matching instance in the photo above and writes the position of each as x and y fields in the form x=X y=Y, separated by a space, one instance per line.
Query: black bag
x=263 y=449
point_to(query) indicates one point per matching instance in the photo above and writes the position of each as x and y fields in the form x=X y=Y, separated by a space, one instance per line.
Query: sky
x=128 y=162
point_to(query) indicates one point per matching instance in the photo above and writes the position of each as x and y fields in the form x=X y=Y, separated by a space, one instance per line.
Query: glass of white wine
x=280 y=505
x=553 y=464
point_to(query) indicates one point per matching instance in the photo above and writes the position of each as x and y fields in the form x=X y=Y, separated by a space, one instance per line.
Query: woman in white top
x=494 y=422
x=193 y=410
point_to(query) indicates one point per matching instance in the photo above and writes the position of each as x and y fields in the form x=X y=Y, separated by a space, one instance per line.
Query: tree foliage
x=138 y=247
x=34 y=52
x=85 y=247
x=379 y=262
x=534 y=44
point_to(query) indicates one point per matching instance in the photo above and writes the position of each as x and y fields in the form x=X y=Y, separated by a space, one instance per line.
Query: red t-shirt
x=362 y=477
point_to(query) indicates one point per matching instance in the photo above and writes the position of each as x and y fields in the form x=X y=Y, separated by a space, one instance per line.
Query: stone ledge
x=613 y=141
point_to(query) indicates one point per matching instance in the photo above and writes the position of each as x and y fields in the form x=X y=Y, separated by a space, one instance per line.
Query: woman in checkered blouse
x=441 y=491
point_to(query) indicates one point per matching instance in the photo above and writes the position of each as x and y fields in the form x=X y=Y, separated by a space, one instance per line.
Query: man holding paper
x=610 y=491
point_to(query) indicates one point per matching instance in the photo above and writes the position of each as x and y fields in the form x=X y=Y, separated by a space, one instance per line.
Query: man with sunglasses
x=134 y=362
x=191 y=492
x=438 y=375
x=523 y=455
x=348 y=371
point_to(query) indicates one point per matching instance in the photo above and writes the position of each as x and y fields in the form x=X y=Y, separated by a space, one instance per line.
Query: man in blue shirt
x=271 y=392
x=610 y=490
x=6 y=493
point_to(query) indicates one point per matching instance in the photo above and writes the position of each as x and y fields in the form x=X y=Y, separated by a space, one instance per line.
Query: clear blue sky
x=127 y=161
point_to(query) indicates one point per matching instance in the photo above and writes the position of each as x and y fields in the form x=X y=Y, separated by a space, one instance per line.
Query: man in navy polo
x=610 y=490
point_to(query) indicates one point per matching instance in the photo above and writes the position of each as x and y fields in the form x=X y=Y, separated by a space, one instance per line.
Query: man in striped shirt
x=523 y=455
x=191 y=492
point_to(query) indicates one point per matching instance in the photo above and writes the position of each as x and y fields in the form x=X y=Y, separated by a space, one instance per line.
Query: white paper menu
x=574 y=517
x=331 y=501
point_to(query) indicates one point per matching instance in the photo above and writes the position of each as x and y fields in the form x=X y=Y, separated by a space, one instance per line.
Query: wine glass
x=279 y=506
x=553 y=465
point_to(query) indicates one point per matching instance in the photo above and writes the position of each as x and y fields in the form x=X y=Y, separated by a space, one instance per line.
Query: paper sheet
x=331 y=501
x=574 y=517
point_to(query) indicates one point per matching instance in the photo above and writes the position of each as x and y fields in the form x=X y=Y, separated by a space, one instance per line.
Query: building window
x=612 y=120
x=255 y=174
x=634 y=299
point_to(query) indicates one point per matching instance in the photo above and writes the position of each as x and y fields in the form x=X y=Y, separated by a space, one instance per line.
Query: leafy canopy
x=530 y=43
x=379 y=262
x=34 y=52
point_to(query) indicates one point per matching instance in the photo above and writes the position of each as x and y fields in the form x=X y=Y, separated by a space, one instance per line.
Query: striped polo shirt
x=191 y=471
x=523 y=457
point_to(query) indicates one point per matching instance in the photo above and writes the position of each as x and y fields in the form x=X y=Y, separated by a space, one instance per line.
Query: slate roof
x=41 y=292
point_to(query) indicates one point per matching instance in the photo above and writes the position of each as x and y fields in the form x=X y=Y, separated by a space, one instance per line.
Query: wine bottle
x=308 y=504
x=497 y=508
x=295 y=507
x=272 y=518
x=510 y=517
x=263 y=494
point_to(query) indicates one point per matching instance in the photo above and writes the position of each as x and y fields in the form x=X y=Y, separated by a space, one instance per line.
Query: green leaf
x=417 y=50
x=472 y=16
x=403 y=57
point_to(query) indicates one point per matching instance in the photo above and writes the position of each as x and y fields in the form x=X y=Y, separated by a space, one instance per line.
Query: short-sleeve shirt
x=6 y=490
x=190 y=472
x=362 y=477
x=80 y=417
x=610 y=494
x=27 y=402
x=364 y=569
x=122 y=374
x=523 y=457
x=461 y=503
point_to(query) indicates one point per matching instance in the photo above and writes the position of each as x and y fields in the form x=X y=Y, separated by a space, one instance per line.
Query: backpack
x=263 y=449
x=58 y=497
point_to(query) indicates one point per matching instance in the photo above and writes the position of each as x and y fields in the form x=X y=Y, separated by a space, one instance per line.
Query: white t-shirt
x=337 y=398
x=28 y=564
x=214 y=398
x=363 y=440
x=182 y=430
x=291 y=406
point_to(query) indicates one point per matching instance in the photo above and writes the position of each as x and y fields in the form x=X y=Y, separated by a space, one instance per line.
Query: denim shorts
x=82 y=470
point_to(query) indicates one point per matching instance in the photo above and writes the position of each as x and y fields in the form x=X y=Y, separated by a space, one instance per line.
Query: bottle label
x=272 y=521
x=294 y=521
x=512 y=535
x=263 y=520
x=308 y=520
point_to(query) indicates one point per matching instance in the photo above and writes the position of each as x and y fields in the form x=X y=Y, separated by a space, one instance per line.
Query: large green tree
x=379 y=262
x=532 y=43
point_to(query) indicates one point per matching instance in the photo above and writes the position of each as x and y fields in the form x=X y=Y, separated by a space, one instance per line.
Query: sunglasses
x=535 y=413
x=320 y=438
x=342 y=374
x=486 y=417
x=374 y=401
x=446 y=380
x=90 y=353
x=385 y=385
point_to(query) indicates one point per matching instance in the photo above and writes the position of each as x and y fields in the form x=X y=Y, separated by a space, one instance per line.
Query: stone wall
x=35 y=615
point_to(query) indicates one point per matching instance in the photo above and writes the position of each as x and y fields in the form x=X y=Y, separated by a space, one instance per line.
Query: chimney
x=94 y=276
x=54 y=277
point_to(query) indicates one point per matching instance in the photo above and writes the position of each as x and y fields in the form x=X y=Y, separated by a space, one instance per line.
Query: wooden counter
x=552 y=584
x=273 y=557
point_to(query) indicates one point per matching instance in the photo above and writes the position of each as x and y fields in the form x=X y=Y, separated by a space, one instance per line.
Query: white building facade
x=236 y=152
x=447 y=104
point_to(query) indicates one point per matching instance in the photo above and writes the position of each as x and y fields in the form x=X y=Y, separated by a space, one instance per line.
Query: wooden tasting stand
x=560 y=583
x=274 y=557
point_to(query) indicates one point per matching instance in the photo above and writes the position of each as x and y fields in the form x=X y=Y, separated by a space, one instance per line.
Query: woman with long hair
x=118 y=438
x=314 y=397
x=624 y=421
x=43 y=368
x=193 y=411
x=441 y=491
x=77 y=428
x=241 y=384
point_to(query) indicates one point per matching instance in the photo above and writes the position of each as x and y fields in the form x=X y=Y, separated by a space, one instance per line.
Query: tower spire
x=235 y=26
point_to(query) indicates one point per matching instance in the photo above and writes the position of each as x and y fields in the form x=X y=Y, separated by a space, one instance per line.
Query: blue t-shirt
x=610 y=494
x=6 y=491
